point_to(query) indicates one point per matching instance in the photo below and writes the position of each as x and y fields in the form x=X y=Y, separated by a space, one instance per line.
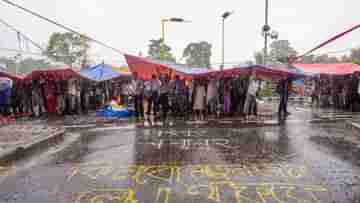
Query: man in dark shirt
x=283 y=89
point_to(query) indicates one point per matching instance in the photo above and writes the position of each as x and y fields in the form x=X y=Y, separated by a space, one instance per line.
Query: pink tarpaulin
x=329 y=69
x=264 y=72
x=145 y=68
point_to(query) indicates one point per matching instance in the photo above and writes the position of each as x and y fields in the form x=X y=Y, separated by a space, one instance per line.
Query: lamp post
x=163 y=21
x=224 y=16
x=266 y=32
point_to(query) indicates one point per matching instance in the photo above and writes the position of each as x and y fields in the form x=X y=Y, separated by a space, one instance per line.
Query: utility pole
x=18 y=56
x=223 y=45
x=266 y=30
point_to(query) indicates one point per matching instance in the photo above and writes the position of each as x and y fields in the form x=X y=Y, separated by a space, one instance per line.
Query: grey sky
x=129 y=25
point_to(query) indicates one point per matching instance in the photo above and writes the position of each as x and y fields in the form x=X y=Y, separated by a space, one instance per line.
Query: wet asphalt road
x=190 y=164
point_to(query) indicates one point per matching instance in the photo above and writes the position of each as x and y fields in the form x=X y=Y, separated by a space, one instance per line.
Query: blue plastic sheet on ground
x=109 y=112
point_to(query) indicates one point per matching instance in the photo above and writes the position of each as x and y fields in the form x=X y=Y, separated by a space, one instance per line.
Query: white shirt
x=152 y=85
x=253 y=87
x=138 y=86
x=72 y=87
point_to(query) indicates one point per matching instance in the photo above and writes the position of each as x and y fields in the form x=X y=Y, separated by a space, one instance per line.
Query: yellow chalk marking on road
x=105 y=195
x=166 y=191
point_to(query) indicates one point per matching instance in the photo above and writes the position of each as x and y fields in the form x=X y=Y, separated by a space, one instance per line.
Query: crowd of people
x=341 y=92
x=58 y=97
x=166 y=95
x=201 y=97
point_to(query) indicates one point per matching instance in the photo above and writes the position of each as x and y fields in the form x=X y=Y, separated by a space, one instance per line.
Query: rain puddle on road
x=187 y=164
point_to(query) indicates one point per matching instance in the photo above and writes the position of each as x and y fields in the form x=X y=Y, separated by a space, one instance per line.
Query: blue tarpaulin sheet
x=5 y=96
x=101 y=72
x=5 y=92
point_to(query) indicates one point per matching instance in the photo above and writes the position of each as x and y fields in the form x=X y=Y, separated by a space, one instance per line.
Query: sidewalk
x=19 y=138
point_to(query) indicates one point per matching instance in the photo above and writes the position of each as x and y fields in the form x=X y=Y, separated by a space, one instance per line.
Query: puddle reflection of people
x=199 y=102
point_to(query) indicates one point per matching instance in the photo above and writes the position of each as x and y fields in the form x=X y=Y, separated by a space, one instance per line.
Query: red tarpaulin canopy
x=145 y=68
x=53 y=74
x=329 y=69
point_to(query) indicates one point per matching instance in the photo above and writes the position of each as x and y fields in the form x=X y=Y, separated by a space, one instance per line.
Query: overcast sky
x=129 y=25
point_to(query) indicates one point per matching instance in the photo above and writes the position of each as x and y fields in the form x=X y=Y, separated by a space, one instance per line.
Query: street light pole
x=163 y=30
x=163 y=21
x=266 y=30
x=223 y=45
x=162 y=45
x=224 y=16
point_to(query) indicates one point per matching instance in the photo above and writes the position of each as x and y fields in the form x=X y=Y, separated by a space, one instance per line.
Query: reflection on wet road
x=189 y=164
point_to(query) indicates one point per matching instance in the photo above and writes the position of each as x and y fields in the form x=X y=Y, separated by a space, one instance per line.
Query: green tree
x=9 y=63
x=259 y=57
x=280 y=50
x=324 y=58
x=354 y=56
x=29 y=64
x=160 y=51
x=198 y=54
x=68 y=48
x=26 y=65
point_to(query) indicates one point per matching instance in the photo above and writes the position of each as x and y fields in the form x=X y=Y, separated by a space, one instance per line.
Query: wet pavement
x=194 y=163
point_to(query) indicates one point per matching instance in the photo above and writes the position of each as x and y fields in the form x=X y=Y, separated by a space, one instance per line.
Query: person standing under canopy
x=138 y=86
x=152 y=87
x=284 y=88
x=164 y=95
x=212 y=96
x=250 y=103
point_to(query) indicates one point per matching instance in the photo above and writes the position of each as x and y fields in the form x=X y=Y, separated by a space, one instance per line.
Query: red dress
x=51 y=100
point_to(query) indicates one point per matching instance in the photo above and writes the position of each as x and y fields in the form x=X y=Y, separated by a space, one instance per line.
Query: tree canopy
x=198 y=54
x=281 y=49
x=353 y=57
x=68 y=48
x=158 y=50
x=26 y=65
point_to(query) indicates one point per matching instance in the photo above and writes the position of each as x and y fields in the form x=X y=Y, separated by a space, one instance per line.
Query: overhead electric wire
x=22 y=34
x=61 y=25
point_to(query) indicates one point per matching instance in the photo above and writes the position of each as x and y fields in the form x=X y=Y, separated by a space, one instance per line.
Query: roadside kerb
x=18 y=152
